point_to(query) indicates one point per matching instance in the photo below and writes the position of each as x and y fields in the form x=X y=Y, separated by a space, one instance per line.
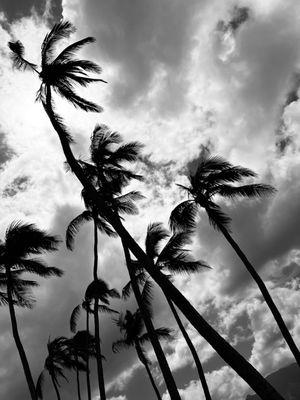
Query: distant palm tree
x=226 y=351
x=86 y=305
x=173 y=258
x=22 y=241
x=132 y=326
x=99 y=291
x=82 y=345
x=214 y=177
x=60 y=356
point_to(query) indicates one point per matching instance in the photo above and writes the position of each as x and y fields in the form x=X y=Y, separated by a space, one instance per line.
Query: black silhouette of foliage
x=213 y=177
x=99 y=289
x=64 y=71
x=17 y=56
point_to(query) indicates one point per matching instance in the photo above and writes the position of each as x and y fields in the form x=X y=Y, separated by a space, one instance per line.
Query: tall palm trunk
x=221 y=346
x=55 y=387
x=265 y=293
x=162 y=361
x=145 y=363
x=192 y=349
x=17 y=339
x=88 y=382
x=78 y=379
x=96 y=321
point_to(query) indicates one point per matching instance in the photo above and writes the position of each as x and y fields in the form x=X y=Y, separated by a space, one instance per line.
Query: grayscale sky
x=182 y=75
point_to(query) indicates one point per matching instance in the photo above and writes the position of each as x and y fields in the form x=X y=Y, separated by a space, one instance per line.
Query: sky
x=182 y=76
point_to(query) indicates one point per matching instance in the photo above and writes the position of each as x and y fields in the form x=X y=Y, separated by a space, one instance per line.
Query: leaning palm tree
x=173 y=258
x=82 y=345
x=21 y=242
x=214 y=177
x=60 y=356
x=224 y=349
x=132 y=327
x=99 y=291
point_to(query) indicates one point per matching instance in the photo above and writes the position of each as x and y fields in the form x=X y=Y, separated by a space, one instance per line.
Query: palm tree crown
x=214 y=176
x=62 y=72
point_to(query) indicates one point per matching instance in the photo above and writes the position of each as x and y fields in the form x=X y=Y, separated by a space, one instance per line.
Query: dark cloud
x=19 y=184
x=239 y=15
x=15 y=9
x=143 y=40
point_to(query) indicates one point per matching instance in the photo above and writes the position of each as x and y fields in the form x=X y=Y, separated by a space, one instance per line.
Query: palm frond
x=184 y=216
x=74 y=226
x=155 y=234
x=105 y=227
x=76 y=100
x=38 y=267
x=253 y=190
x=107 y=310
x=217 y=217
x=69 y=52
x=147 y=297
x=17 y=56
x=119 y=345
x=126 y=291
x=74 y=318
x=62 y=29
x=174 y=246
x=184 y=263
x=39 y=385
x=127 y=152
x=231 y=174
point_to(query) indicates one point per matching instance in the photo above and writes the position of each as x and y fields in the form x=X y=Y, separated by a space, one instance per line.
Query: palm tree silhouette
x=173 y=258
x=214 y=177
x=21 y=242
x=223 y=348
x=60 y=356
x=82 y=345
x=85 y=305
x=99 y=291
x=132 y=326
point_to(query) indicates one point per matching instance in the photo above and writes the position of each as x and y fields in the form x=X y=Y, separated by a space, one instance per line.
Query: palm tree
x=223 y=348
x=86 y=305
x=99 y=291
x=214 y=177
x=173 y=258
x=60 y=356
x=82 y=345
x=132 y=326
x=21 y=242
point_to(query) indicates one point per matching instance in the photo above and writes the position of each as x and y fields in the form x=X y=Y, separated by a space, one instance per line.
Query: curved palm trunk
x=162 y=361
x=78 y=380
x=17 y=339
x=88 y=382
x=55 y=388
x=221 y=346
x=192 y=349
x=145 y=363
x=265 y=293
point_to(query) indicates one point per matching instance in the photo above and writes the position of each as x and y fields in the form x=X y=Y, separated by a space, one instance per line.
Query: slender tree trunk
x=98 y=352
x=265 y=293
x=17 y=339
x=88 y=382
x=55 y=387
x=145 y=363
x=96 y=321
x=221 y=346
x=192 y=349
x=78 y=380
x=162 y=361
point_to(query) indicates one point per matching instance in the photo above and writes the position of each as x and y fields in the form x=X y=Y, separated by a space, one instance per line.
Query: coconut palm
x=132 y=327
x=82 y=345
x=60 y=357
x=21 y=242
x=213 y=177
x=224 y=349
x=173 y=258
x=85 y=305
x=99 y=291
